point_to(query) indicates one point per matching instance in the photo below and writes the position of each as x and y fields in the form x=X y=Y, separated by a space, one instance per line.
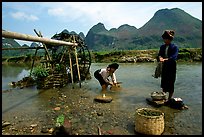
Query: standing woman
x=167 y=55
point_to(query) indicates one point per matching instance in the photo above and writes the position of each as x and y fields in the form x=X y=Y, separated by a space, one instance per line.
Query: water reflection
x=13 y=69
x=12 y=73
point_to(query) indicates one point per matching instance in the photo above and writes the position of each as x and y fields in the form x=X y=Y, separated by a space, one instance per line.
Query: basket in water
x=149 y=121
x=158 y=95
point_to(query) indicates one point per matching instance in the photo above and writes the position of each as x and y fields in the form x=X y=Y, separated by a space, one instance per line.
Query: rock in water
x=103 y=99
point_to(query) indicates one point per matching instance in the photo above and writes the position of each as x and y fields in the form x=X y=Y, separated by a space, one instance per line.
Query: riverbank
x=125 y=56
x=134 y=56
x=22 y=59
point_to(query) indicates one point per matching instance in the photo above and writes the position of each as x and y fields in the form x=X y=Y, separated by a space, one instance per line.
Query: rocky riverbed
x=83 y=116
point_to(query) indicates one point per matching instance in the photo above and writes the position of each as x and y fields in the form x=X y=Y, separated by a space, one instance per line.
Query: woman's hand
x=115 y=84
x=111 y=83
x=162 y=59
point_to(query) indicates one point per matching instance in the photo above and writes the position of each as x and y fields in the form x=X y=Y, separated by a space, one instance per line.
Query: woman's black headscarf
x=113 y=65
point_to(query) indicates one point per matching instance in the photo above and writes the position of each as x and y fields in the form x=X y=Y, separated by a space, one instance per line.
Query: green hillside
x=188 y=33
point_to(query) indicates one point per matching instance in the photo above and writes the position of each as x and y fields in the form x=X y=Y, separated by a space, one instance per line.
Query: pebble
x=5 y=124
x=99 y=113
x=33 y=125
x=57 y=108
x=44 y=130
x=14 y=129
x=110 y=132
x=51 y=130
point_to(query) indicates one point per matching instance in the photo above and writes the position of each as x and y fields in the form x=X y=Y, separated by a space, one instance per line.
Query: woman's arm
x=174 y=54
x=114 y=78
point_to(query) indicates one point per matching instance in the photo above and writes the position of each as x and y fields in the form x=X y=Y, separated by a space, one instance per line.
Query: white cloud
x=111 y=14
x=24 y=16
x=114 y=14
x=56 y=12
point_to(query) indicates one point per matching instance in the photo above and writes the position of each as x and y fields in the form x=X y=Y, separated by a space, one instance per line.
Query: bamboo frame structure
x=19 y=36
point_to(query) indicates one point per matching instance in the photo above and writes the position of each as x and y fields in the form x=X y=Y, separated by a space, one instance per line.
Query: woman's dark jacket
x=168 y=76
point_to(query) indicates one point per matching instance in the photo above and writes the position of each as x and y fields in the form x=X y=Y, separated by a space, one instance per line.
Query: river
x=137 y=84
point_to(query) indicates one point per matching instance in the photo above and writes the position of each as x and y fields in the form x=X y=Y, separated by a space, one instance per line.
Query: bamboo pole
x=19 y=36
x=77 y=65
x=70 y=64
x=63 y=55
x=33 y=62
x=40 y=35
x=46 y=50
x=22 y=48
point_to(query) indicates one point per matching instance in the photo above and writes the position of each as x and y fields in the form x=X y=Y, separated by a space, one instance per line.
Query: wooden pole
x=15 y=35
x=40 y=35
x=46 y=50
x=22 y=48
x=33 y=62
x=77 y=65
x=70 y=64
x=63 y=55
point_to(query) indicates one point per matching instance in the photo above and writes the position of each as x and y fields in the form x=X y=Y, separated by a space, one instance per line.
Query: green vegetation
x=185 y=54
x=39 y=72
x=60 y=120
x=147 y=112
x=59 y=67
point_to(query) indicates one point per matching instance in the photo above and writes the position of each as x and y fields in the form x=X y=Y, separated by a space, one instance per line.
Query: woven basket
x=158 y=95
x=149 y=124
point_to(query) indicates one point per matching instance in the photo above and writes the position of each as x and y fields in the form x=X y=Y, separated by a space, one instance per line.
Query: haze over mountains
x=188 y=33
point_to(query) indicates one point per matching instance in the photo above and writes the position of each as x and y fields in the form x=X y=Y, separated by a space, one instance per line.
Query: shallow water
x=137 y=84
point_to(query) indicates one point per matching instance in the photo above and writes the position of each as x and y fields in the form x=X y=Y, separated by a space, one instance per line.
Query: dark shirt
x=172 y=52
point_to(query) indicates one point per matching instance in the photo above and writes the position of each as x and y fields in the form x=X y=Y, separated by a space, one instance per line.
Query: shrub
x=39 y=72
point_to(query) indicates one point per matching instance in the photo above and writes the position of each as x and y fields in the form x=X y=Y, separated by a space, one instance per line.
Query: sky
x=53 y=17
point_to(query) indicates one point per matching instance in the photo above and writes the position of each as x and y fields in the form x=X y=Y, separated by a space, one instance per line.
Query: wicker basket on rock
x=149 y=121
